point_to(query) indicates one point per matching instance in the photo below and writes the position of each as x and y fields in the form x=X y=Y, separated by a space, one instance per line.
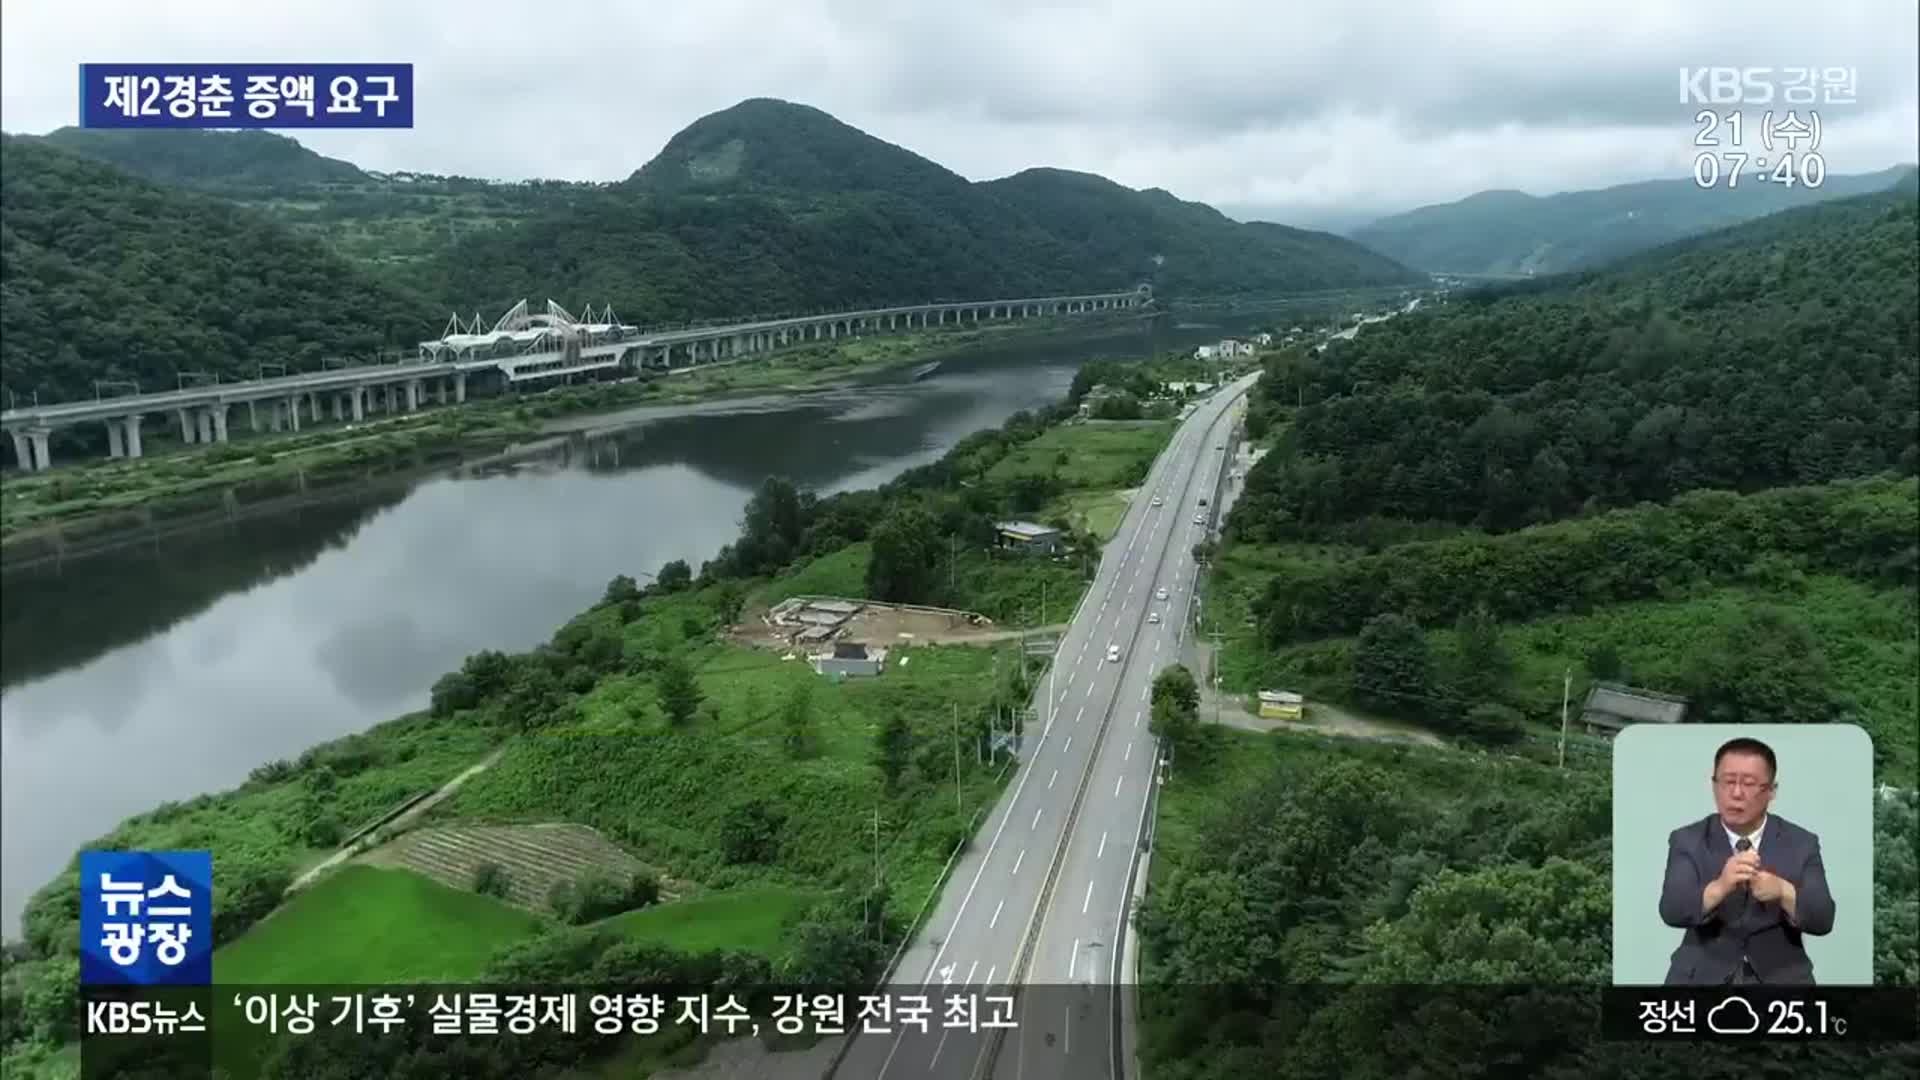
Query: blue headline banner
x=246 y=95
x=146 y=918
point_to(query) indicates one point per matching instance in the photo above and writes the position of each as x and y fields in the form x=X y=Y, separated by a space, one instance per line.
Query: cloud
x=1312 y=109
x=1721 y=1019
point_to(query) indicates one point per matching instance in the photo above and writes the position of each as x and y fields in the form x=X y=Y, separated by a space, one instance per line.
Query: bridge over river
x=522 y=346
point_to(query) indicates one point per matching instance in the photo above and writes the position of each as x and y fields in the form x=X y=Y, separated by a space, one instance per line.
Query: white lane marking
x=1036 y=819
x=1083 y=906
x=974 y=968
x=1143 y=692
x=991 y=923
x=1117 y=781
x=1074 y=960
x=1051 y=779
x=1128 y=756
x=990 y=972
x=1018 y=859
x=1089 y=689
x=1103 y=846
x=1081 y=713
x=1068 y=745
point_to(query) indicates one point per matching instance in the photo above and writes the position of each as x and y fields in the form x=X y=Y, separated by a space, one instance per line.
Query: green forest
x=1782 y=351
x=1693 y=473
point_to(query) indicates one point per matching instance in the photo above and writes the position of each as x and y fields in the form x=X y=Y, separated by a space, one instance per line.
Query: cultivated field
x=534 y=857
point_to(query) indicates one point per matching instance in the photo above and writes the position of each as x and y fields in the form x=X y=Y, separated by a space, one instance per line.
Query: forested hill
x=106 y=276
x=1782 y=351
x=1511 y=232
x=771 y=206
x=226 y=162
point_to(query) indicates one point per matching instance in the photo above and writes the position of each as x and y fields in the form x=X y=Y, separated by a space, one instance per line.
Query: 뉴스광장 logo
x=146 y=918
x=246 y=95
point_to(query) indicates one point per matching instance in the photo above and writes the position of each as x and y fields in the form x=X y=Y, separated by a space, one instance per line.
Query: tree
x=906 y=555
x=1392 y=670
x=796 y=718
x=1764 y=667
x=893 y=746
x=491 y=879
x=1482 y=664
x=750 y=832
x=678 y=691
x=728 y=602
x=620 y=591
x=674 y=576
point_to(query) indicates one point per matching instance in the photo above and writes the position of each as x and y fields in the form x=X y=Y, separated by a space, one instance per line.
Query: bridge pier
x=42 y=457
x=113 y=440
x=413 y=395
x=130 y=439
x=219 y=414
x=358 y=397
x=186 y=427
x=459 y=387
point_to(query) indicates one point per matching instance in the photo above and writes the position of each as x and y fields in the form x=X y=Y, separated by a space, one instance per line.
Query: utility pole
x=956 y=757
x=1566 y=688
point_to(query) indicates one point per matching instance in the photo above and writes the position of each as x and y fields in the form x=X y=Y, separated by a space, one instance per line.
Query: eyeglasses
x=1742 y=783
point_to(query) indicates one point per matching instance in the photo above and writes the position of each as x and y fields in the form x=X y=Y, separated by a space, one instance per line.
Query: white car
x=1113 y=652
x=1199 y=519
x=1153 y=616
x=1156 y=500
x=1160 y=593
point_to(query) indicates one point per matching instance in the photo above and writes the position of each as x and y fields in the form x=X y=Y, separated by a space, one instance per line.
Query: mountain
x=1187 y=247
x=772 y=206
x=1778 y=352
x=107 y=276
x=217 y=161
x=1511 y=232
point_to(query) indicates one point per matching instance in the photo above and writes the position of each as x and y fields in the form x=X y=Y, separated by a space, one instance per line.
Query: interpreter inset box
x=1742 y=855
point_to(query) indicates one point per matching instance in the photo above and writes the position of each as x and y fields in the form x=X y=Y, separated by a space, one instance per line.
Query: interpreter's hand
x=1767 y=885
x=1740 y=868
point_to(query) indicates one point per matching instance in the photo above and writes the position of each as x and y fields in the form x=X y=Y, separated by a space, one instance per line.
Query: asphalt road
x=1041 y=895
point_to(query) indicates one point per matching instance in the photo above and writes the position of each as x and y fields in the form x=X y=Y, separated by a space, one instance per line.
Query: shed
x=1027 y=536
x=1281 y=705
x=1612 y=706
x=850 y=658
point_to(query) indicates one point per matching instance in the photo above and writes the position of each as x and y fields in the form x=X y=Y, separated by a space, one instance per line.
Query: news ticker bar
x=246 y=95
x=1851 y=1014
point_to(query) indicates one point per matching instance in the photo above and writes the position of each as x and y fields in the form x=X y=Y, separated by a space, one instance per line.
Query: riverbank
x=65 y=509
x=770 y=778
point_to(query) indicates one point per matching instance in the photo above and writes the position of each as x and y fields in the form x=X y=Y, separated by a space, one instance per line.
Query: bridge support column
x=130 y=441
x=339 y=407
x=204 y=421
x=218 y=414
x=186 y=427
x=42 y=457
x=313 y=406
x=253 y=416
x=358 y=396
x=22 y=451
x=460 y=386
x=113 y=439
x=442 y=386
x=293 y=413
x=413 y=395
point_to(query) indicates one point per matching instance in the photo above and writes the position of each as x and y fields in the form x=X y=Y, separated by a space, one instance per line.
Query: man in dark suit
x=1745 y=885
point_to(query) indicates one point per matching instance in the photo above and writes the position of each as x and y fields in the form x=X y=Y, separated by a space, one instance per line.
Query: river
x=162 y=672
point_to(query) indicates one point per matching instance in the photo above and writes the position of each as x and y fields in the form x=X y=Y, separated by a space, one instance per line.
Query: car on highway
x=1153 y=616
x=1160 y=593
x=1199 y=519
x=1113 y=651
x=1156 y=500
x=1203 y=500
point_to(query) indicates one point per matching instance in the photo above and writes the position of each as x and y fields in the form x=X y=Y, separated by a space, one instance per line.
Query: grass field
x=1108 y=455
x=363 y=925
x=750 y=920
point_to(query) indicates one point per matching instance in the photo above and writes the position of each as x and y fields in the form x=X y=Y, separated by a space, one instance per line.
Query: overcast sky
x=1313 y=112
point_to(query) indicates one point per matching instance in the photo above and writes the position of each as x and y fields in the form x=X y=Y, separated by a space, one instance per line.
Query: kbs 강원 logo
x=146 y=918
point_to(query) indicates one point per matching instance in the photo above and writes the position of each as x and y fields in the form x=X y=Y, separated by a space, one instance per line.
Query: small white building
x=1205 y=352
x=851 y=658
x=1263 y=338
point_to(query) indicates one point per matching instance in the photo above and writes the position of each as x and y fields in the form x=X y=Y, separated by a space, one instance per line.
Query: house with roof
x=1612 y=706
x=1030 y=536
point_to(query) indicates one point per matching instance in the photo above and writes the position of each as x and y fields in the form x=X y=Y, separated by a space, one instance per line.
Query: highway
x=1073 y=814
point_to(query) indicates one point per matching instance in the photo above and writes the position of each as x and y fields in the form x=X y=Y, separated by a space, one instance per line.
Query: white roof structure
x=522 y=330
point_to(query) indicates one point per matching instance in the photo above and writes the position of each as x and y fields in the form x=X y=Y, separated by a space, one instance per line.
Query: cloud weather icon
x=1727 y=1019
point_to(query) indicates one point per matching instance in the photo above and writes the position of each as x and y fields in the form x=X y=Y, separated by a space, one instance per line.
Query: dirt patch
x=873 y=624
